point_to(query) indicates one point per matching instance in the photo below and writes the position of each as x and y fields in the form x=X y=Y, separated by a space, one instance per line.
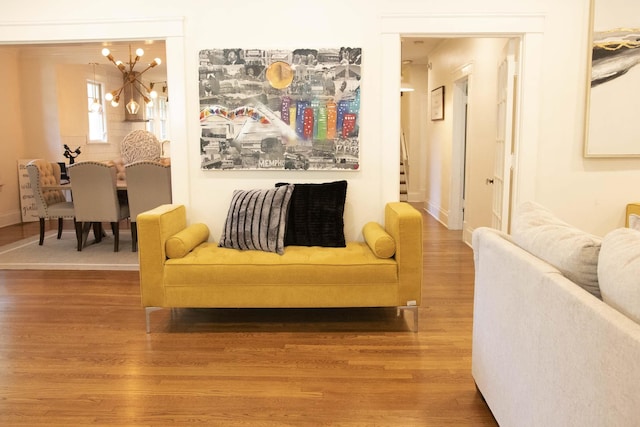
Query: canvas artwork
x=614 y=81
x=283 y=109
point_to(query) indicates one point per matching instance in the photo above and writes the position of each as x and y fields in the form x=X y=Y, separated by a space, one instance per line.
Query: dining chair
x=95 y=196
x=51 y=204
x=148 y=186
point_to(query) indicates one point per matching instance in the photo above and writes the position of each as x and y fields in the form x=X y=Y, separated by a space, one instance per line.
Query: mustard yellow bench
x=180 y=268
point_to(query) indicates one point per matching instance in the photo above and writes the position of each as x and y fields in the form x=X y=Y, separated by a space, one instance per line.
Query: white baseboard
x=10 y=218
x=466 y=233
x=439 y=214
x=415 y=196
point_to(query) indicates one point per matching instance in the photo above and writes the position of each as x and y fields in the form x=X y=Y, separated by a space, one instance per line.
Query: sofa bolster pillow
x=181 y=243
x=619 y=270
x=572 y=251
x=380 y=242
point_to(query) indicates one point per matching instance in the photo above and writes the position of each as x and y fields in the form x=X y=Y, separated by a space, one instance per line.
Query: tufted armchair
x=50 y=203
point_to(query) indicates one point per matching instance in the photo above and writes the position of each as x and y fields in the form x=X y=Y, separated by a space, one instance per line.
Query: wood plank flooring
x=74 y=352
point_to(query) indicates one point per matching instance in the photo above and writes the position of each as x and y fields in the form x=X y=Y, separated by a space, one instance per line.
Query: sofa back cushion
x=619 y=271
x=570 y=250
x=257 y=219
x=316 y=215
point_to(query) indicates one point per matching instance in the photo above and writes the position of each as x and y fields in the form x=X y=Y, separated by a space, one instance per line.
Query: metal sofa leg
x=414 y=310
x=147 y=313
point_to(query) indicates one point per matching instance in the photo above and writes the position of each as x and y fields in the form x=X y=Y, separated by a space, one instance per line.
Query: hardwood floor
x=74 y=352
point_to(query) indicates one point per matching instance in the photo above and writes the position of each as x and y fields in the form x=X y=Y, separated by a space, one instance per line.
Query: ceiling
x=86 y=53
x=417 y=49
x=414 y=49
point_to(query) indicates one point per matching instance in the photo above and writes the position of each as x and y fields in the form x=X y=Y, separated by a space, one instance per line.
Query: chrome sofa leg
x=414 y=310
x=147 y=313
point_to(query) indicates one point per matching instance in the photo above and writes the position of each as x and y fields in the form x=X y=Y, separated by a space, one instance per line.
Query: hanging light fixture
x=132 y=81
x=96 y=105
x=405 y=86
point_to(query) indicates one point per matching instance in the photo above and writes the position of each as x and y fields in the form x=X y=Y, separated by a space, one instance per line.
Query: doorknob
x=489 y=181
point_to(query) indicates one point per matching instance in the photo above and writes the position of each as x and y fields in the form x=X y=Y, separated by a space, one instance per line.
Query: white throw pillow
x=619 y=271
x=572 y=251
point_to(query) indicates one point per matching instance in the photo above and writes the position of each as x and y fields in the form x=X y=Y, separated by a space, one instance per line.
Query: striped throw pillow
x=257 y=220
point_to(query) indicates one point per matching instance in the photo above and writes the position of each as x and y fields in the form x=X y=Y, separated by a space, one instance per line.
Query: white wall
x=11 y=137
x=599 y=188
x=590 y=193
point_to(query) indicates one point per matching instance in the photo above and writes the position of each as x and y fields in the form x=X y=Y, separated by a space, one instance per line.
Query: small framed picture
x=437 y=103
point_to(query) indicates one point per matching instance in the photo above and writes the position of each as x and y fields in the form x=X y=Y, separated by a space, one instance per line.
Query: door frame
x=528 y=27
x=462 y=81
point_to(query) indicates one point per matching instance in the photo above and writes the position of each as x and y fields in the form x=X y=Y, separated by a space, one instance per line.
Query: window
x=157 y=118
x=95 y=107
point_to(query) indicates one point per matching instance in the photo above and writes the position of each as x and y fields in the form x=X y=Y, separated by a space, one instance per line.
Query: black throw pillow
x=315 y=215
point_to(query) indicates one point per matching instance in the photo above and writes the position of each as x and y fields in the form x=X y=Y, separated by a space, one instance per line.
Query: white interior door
x=504 y=147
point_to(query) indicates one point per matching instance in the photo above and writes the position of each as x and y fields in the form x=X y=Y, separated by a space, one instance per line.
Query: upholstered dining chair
x=51 y=204
x=95 y=196
x=148 y=186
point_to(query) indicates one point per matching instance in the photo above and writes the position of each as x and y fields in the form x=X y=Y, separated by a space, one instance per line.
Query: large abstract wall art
x=281 y=109
x=614 y=84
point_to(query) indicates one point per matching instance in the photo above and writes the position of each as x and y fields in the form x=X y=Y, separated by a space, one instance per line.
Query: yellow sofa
x=179 y=267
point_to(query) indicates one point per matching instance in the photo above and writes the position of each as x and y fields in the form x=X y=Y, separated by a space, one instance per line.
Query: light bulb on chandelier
x=133 y=107
x=152 y=93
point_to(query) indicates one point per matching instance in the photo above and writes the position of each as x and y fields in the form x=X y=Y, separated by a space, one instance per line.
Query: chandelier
x=132 y=81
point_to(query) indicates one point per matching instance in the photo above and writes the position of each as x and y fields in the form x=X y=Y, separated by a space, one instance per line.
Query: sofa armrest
x=404 y=223
x=155 y=227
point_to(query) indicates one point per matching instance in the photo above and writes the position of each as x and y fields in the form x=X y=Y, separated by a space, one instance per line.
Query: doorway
x=530 y=33
x=171 y=30
x=462 y=140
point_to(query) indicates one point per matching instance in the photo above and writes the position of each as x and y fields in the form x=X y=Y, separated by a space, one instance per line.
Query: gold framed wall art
x=613 y=80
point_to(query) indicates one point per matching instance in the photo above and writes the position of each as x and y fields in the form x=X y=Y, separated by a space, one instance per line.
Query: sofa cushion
x=184 y=241
x=619 y=271
x=380 y=242
x=316 y=215
x=300 y=265
x=257 y=219
x=570 y=250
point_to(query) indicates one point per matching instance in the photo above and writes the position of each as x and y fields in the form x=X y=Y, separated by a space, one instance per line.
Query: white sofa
x=547 y=352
